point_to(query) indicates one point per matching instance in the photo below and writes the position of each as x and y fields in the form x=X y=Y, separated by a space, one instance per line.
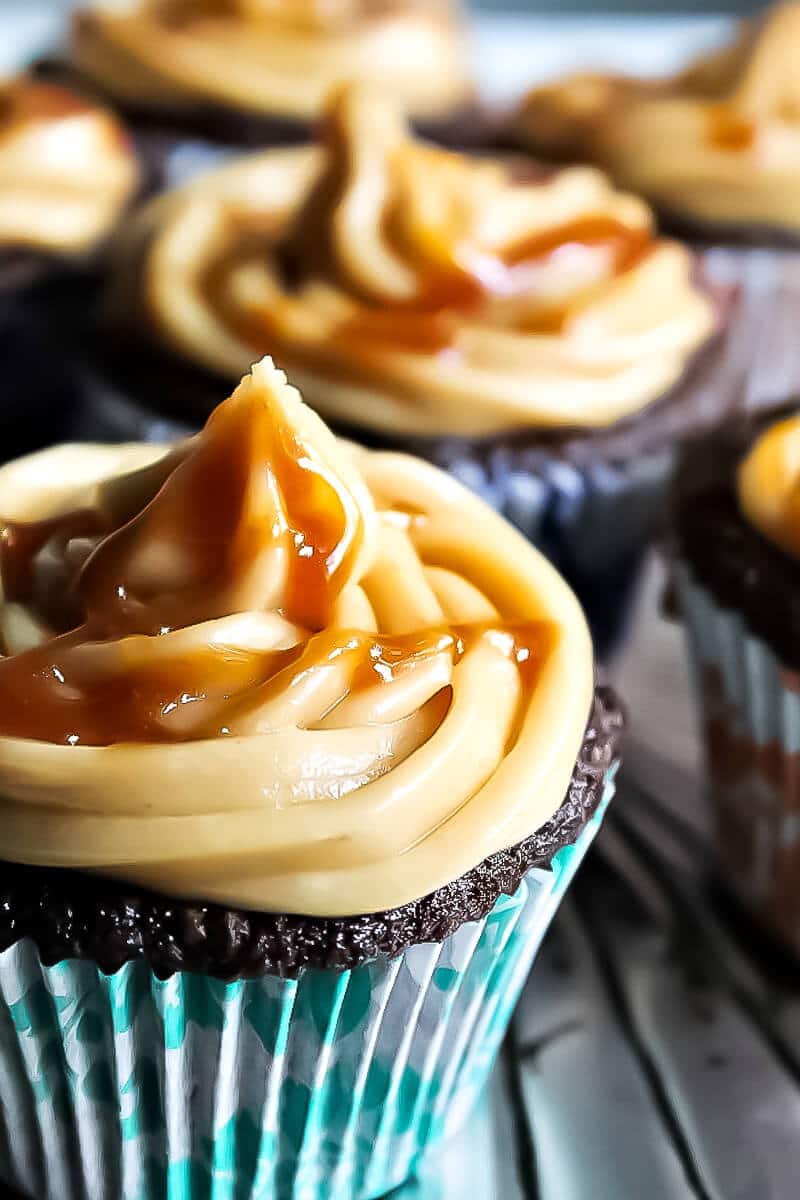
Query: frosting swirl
x=66 y=169
x=274 y=670
x=411 y=289
x=768 y=485
x=274 y=57
x=717 y=143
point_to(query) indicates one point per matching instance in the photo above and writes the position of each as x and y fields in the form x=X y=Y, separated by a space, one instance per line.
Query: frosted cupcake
x=257 y=71
x=738 y=576
x=295 y=769
x=531 y=336
x=717 y=146
x=716 y=150
x=66 y=174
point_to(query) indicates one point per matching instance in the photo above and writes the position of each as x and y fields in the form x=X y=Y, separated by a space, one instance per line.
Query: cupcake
x=716 y=147
x=737 y=573
x=531 y=335
x=66 y=174
x=259 y=71
x=300 y=749
x=716 y=150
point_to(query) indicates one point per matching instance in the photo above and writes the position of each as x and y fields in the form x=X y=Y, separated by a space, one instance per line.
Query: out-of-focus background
x=649 y=36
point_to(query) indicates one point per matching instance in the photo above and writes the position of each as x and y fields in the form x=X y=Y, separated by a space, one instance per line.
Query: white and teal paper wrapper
x=331 y=1087
x=749 y=707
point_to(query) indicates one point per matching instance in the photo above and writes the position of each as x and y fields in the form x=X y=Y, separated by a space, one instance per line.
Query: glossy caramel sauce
x=67 y=692
x=728 y=130
x=454 y=275
x=428 y=324
x=171 y=565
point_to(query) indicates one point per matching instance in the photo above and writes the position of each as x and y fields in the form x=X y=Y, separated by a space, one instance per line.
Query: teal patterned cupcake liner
x=330 y=1087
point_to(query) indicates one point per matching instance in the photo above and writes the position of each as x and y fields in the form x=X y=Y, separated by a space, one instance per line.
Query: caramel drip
x=426 y=323
x=56 y=694
x=59 y=693
x=245 y=518
x=626 y=244
x=246 y=485
x=215 y=507
x=728 y=129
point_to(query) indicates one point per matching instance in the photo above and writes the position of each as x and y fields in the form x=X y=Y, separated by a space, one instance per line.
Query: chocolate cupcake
x=715 y=147
x=716 y=150
x=737 y=571
x=66 y=174
x=295 y=767
x=531 y=336
x=258 y=72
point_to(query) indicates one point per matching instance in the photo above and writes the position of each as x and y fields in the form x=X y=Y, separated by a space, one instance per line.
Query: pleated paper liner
x=330 y=1087
x=749 y=707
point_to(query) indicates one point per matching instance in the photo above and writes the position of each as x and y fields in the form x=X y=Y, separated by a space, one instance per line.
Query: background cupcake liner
x=761 y=365
x=750 y=712
x=330 y=1087
x=594 y=520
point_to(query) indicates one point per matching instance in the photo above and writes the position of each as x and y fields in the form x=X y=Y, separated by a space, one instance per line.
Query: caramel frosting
x=768 y=485
x=413 y=290
x=273 y=57
x=66 y=169
x=275 y=670
x=718 y=144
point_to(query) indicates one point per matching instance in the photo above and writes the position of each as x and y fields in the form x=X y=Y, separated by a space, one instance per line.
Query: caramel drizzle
x=456 y=278
x=207 y=513
x=172 y=565
x=429 y=324
x=729 y=129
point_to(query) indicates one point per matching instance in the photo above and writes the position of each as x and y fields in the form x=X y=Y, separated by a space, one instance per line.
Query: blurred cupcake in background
x=67 y=173
x=271 y=931
x=716 y=150
x=532 y=336
x=259 y=71
x=737 y=571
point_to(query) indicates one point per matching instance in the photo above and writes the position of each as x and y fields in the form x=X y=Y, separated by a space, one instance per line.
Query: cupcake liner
x=761 y=364
x=330 y=1087
x=594 y=520
x=750 y=713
